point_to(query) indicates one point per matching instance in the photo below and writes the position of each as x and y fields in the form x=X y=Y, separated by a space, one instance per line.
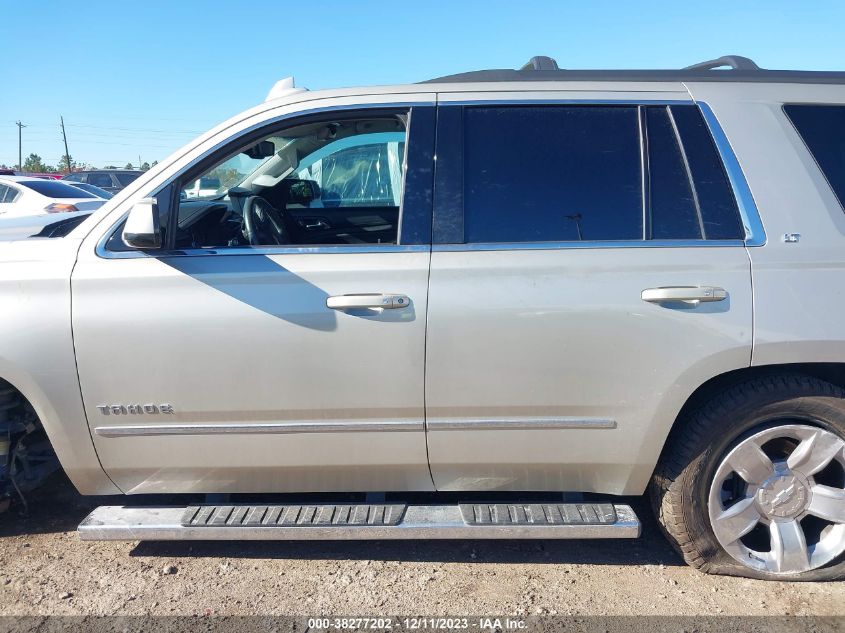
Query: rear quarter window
x=55 y=189
x=823 y=129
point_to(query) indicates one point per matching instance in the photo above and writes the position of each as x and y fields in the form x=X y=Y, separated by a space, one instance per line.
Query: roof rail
x=541 y=62
x=741 y=69
x=734 y=62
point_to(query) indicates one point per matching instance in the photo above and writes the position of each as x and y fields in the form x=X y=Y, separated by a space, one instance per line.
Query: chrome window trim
x=271 y=250
x=632 y=102
x=755 y=233
x=550 y=246
x=101 y=251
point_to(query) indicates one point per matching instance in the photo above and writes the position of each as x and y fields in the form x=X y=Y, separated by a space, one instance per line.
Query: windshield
x=228 y=174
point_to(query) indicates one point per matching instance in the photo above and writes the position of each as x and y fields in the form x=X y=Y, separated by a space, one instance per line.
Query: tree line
x=34 y=164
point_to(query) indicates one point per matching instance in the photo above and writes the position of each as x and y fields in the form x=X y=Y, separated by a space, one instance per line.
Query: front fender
x=37 y=353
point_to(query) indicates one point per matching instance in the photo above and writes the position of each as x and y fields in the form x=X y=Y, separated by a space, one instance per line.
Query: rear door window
x=716 y=201
x=100 y=180
x=552 y=173
x=674 y=211
x=571 y=173
x=823 y=129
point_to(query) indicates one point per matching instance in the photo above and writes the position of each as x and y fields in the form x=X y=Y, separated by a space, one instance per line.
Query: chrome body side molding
x=518 y=424
x=334 y=426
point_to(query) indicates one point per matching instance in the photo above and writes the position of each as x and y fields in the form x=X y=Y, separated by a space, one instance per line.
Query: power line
x=137 y=129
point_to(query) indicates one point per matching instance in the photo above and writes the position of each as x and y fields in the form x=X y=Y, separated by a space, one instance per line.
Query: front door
x=590 y=274
x=255 y=353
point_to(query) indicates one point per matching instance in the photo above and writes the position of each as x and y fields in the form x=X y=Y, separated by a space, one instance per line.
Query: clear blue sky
x=145 y=77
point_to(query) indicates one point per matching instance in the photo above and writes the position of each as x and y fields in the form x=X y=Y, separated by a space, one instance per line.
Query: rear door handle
x=687 y=294
x=363 y=301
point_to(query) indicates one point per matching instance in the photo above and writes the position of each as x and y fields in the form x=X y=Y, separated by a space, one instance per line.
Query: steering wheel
x=263 y=223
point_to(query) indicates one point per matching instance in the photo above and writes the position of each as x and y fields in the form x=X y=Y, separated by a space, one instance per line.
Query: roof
x=727 y=68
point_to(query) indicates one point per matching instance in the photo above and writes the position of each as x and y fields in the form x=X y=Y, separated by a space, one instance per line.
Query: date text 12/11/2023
x=419 y=623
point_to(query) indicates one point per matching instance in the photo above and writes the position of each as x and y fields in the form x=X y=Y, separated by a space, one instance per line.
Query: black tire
x=702 y=437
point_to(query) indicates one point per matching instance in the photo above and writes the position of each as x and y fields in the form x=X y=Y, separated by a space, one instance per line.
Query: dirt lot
x=46 y=569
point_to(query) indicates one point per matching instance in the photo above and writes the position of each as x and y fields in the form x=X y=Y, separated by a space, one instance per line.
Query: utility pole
x=139 y=161
x=20 y=153
x=67 y=153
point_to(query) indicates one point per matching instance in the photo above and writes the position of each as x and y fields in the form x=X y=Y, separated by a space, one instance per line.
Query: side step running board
x=361 y=521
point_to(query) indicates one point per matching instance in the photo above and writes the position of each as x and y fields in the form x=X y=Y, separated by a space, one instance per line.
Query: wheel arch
x=833 y=373
x=76 y=453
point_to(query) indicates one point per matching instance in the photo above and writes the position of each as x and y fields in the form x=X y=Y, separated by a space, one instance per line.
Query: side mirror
x=302 y=192
x=142 y=228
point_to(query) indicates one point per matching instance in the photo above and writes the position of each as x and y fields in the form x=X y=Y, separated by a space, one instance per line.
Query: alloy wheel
x=777 y=500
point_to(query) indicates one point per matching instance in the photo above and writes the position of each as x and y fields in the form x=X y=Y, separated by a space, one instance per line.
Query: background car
x=202 y=187
x=112 y=180
x=21 y=195
x=97 y=191
x=41 y=225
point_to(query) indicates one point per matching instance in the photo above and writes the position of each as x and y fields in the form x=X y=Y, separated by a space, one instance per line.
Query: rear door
x=588 y=273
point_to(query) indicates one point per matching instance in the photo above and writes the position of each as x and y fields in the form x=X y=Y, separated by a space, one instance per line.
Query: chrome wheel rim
x=777 y=500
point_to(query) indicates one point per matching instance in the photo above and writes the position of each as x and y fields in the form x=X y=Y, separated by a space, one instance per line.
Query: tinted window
x=823 y=129
x=100 y=193
x=555 y=173
x=719 y=213
x=11 y=194
x=100 y=180
x=55 y=189
x=125 y=179
x=75 y=177
x=673 y=213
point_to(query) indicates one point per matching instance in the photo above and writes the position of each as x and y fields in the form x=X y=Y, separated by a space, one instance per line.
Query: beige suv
x=537 y=290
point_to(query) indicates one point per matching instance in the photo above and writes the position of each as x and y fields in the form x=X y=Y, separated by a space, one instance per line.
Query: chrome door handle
x=363 y=301
x=687 y=294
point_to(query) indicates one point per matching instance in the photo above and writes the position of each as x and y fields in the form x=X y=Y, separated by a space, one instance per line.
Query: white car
x=21 y=196
x=202 y=187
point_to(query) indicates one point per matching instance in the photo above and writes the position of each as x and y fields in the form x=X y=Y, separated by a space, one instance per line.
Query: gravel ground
x=45 y=569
